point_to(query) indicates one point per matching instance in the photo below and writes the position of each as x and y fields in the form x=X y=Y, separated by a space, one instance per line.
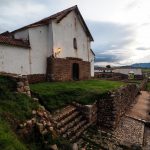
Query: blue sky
x=121 y=28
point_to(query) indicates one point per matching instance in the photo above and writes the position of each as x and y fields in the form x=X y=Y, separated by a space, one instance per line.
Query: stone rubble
x=43 y=123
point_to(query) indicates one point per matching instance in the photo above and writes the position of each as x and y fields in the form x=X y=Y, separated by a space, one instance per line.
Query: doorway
x=75 y=71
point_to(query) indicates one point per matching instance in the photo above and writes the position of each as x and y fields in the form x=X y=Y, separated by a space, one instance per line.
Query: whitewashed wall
x=14 y=60
x=38 y=37
x=92 y=63
x=63 y=34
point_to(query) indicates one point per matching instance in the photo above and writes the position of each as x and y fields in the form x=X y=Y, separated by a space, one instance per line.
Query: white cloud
x=129 y=19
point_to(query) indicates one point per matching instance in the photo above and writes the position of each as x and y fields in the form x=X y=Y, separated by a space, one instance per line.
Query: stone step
x=70 y=125
x=68 y=119
x=64 y=113
x=74 y=129
x=79 y=132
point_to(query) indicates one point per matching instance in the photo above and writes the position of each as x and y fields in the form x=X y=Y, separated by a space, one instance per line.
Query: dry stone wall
x=143 y=84
x=113 y=105
x=88 y=111
x=22 y=84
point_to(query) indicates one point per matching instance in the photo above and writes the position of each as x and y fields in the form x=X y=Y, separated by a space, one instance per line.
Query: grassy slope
x=148 y=86
x=146 y=70
x=13 y=109
x=57 y=94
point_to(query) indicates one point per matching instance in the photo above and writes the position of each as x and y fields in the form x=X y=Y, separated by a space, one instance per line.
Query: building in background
x=57 y=47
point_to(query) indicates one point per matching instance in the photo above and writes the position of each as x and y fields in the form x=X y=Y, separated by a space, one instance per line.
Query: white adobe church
x=55 y=48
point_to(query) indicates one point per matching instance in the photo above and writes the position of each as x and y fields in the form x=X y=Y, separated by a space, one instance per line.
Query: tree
x=108 y=66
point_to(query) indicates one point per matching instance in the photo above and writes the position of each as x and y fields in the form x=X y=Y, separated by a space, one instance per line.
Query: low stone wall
x=22 y=84
x=143 y=85
x=35 y=78
x=60 y=69
x=116 y=76
x=114 y=104
x=88 y=111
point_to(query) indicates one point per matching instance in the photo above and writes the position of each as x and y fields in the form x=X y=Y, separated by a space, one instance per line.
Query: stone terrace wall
x=116 y=76
x=114 y=104
x=60 y=69
x=88 y=111
x=22 y=84
x=143 y=84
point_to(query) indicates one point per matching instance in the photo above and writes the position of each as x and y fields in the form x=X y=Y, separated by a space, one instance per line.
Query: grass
x=148 y=86
x=146 y=70
x=8 y=139
x=14 y=108
x=54 y=95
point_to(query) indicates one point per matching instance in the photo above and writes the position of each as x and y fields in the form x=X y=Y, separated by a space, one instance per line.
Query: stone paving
x=146 y=144
x=130 y=131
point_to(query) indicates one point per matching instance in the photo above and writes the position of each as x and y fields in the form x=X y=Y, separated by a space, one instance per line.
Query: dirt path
x=141 y=109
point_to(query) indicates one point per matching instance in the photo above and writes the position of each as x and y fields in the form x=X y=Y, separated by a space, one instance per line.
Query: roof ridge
x=47 y=18
x=59 y=16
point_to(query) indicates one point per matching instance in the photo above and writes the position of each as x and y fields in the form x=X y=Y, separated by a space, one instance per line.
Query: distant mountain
x=141 y=65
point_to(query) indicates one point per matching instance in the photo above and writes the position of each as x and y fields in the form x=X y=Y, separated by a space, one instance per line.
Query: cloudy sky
x=121 y=28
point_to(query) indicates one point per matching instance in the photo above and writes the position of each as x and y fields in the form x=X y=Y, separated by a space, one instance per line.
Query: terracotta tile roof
x=15 y=42
x=58 y=17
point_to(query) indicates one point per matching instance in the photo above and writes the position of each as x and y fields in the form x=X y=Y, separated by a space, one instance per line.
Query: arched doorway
x=75 y=71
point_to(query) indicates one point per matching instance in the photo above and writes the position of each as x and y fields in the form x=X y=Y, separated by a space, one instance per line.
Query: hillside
x=141 y=65
x=14 y=108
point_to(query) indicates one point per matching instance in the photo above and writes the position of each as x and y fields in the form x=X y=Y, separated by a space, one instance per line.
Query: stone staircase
x=70 y=123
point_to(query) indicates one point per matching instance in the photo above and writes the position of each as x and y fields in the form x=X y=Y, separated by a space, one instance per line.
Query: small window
x=75 y=43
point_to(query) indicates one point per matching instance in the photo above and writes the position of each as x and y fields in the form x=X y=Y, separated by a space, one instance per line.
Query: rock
x=29 y=123
x=33 y=112
x=33 y=120
x=29 y=93
x=39 y=113
x=21 y=126
x=20 y=84
x=75 y=146
x=20 y=89
x=26 y=83
x=41 y=107
x=44 y=132
x=51 y=128
x=26 y=88
x=49 y=124
x=54 y=147
x=24 y=124
x=35 y=99
x=40 y=127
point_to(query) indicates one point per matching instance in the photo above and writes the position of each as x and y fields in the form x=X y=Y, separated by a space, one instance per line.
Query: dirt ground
x=141 y=110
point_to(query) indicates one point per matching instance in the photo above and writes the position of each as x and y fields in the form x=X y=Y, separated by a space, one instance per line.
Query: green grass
x=148 y=86
x=14 y=108
x=54 y=95
x=146 y=70
x=8 y=139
